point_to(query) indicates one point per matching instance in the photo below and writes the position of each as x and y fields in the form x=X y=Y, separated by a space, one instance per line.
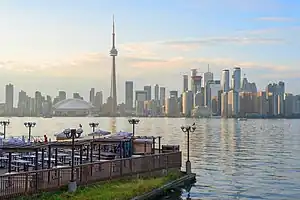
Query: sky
x=64 y=45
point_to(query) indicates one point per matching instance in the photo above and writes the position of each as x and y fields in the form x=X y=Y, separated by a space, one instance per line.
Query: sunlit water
x=254 y=159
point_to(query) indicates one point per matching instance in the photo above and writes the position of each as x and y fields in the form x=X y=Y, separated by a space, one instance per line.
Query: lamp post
x=29 y=125
x=188 y=129
x=133 y=122
x=93 y=125
x=4 y=124
x=72 y=134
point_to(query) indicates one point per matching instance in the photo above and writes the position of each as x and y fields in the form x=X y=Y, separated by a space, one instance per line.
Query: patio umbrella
x=123 y=134
x=99 y=132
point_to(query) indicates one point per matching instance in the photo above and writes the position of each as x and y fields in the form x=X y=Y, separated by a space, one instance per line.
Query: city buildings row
x=204 y=97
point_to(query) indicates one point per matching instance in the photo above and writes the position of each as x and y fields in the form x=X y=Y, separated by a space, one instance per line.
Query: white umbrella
x=123 y=134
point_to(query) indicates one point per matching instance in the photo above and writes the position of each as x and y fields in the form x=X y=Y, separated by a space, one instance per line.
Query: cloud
x=275 y=19
x=221 y=40
x=145 y=64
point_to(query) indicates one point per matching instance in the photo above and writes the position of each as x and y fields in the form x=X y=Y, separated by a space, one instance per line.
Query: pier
x=44 y=167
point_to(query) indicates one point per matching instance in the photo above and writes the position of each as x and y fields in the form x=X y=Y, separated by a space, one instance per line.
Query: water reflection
x=113 y=124
x=253 y=159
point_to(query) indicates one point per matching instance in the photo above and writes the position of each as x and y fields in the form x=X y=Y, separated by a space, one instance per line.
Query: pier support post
x=72 y=186
x=188 y=166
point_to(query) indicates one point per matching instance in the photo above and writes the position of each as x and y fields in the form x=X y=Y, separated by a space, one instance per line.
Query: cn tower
x=113 y=89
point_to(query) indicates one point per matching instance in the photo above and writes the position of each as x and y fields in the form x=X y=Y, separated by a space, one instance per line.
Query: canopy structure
x=99 y=133
x=123 y=134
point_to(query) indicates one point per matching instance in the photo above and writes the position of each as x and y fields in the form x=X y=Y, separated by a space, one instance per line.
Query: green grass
x=113 y=190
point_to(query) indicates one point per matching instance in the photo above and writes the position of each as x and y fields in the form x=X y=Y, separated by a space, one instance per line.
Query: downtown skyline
x=40 y=46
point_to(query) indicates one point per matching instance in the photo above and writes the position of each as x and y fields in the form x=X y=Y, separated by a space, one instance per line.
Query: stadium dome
x=72 y=107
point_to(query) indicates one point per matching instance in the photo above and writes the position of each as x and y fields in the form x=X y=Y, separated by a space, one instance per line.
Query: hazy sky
x=64 y=44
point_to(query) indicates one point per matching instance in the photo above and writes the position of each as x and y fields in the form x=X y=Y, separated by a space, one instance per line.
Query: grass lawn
x=113 y=190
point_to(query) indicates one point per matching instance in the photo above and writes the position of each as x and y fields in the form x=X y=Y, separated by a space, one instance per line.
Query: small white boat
x=62 y=135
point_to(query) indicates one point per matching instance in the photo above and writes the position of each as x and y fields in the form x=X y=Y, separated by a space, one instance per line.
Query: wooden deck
x=16 y=184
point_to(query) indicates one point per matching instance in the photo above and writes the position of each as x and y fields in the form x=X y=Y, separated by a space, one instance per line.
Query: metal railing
x=12 y=185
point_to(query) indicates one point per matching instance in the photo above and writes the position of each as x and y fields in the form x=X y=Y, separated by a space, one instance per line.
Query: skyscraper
x=187 y=103
x=236 y=79
x=208 y=76
x=147 y=88
x=92 y=95
x=162 y=95
x=174 y=93
x=129 y=95
x=156 y=92
x=113 y=91
x=9 y=98
x=195 y=81
x=185 y=83
x=225 y=80
x=98 y=101
x=236 y=87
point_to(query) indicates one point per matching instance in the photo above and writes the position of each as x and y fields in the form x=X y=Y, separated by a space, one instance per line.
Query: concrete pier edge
x=170 y=185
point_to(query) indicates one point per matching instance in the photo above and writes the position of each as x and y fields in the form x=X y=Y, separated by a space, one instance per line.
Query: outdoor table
x=3 y=161
x=20 y=162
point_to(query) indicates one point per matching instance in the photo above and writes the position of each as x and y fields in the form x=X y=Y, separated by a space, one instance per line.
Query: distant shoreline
x=214 y=117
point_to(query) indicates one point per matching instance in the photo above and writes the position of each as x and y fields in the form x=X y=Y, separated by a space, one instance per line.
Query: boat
x=62 y=135
x=242 y=119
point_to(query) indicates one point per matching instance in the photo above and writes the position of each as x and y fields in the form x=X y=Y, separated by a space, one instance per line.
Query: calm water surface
x=254 y=159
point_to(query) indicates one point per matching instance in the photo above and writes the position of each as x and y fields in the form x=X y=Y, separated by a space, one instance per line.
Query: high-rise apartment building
x=147 y=88
x=140 y=98
x=236 y=79
x=211 y=90
x=225 y=80
x=162 y=95
x=92 y=96
x=185 y=83
x=224 y=104
x=172 y=109
x=129 y=95
x=9 y=99
x=232 y=102
x=156 y=92
x=98 y=101
x=208 y=76
x=195 y=81
x=199 y=99
x=174 y=93
x=261 y=105
x=187 y=103
x=38 y=103
x=247 y=103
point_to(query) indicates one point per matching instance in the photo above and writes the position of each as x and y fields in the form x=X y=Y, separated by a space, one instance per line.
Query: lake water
x=254 y=159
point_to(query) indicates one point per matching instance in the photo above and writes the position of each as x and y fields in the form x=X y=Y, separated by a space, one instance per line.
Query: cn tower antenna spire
x=113 y=54
x=113 y=32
